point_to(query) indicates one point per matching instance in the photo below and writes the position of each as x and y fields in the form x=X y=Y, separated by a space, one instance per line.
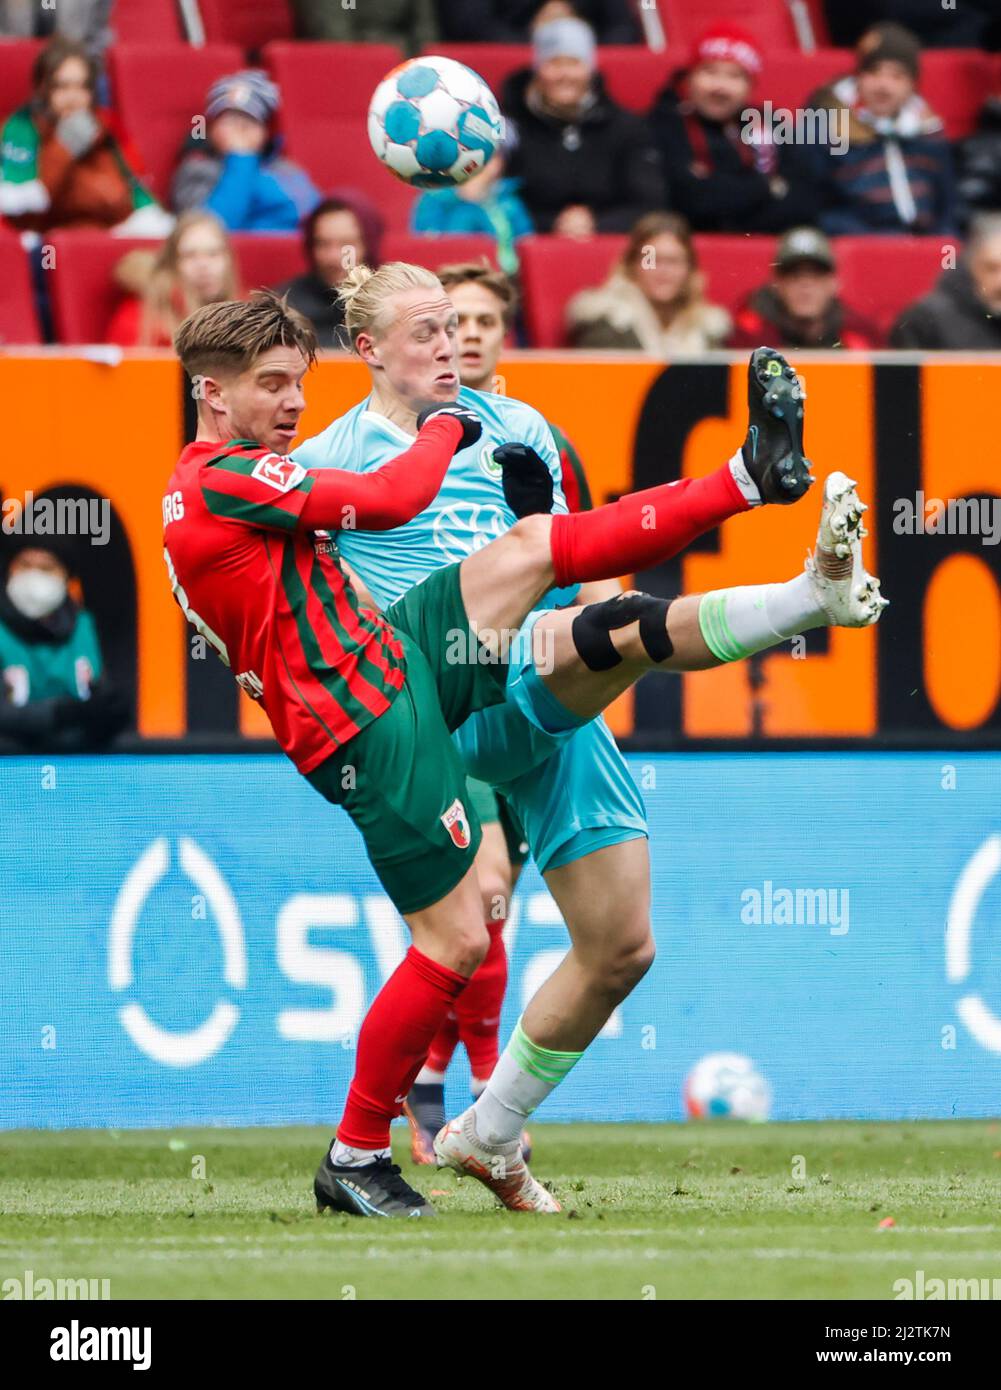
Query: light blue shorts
x=564 y=778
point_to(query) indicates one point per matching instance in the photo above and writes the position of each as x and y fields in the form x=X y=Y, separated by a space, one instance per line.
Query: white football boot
x=499 y=1167
x=847 y=594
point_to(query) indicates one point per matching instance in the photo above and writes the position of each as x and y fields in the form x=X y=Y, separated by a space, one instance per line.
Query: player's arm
x=578 y=495
x=274 y=493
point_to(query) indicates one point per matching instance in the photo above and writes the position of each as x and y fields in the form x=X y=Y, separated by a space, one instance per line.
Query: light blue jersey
x=470 y=509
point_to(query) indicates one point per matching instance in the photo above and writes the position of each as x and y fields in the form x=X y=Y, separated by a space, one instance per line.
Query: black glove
x=528 y=483
x=468 y=419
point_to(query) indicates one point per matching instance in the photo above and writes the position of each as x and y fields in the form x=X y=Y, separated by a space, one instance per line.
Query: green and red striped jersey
x=271 y=598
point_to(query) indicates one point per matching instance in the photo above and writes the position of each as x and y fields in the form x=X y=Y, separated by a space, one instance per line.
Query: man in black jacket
x=963 y=311
x=585 y=165
x=719 y=180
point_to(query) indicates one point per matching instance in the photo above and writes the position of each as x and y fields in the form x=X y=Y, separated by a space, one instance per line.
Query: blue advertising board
x=194 y=940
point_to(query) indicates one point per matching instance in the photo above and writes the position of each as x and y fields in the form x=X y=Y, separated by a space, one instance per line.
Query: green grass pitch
x=650 y=1211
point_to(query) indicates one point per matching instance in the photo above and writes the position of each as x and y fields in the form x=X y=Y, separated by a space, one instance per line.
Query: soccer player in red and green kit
x=364 y=705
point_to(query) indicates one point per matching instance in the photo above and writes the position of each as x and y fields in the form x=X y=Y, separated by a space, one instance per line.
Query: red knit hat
x=728 y=43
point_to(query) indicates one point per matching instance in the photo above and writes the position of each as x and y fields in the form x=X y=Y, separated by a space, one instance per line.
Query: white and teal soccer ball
x=434 y=122
x=726 y=1085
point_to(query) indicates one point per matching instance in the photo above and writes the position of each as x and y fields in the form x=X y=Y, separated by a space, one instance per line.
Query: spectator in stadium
x=194 y=266
x=409 y=24
x=963 y=311
x=896 y=174
x=487 y=204
x=234 y=168
x=937 y=23
x=52 y=691
x=66 y=161
x=717 y=179
x=801 y=306
x=979 y=162
x=512 y=21
x=343 y=231
x=583 y=163
x=653 y=300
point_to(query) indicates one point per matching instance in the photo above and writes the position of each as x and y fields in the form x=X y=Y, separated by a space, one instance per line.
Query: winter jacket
x=952 y=318
x=501 y=215
x=43 y=186
x=510 y=21
x=896 y=174
x=763 y=318
x=604 y=160
x=979 y=162
x=719 y=182
x=407 y=22
x=618 y=315
x=314 y=298
x=247 y=192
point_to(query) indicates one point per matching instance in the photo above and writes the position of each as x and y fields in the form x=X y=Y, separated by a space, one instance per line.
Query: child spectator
x=801 y=307
x=583 y=163
x=896 y=174
x=52 y=691
x=486 y=204
x=343 y=231
x=66 y=162
x=718 y=180
x=195 y=266
x=963 y=311
x=653 y=300
x=236 y=171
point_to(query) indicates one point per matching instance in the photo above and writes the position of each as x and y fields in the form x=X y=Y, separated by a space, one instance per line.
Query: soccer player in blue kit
x=557 y=762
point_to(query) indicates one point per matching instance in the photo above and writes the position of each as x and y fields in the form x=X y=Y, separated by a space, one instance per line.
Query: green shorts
x=401 y=779
x=491 y=806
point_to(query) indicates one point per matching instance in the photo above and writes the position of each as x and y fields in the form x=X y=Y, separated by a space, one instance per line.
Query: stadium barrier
x=930 y=673
x=195 y=942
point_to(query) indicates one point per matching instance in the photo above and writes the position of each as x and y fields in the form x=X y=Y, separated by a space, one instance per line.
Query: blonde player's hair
x=364 y=293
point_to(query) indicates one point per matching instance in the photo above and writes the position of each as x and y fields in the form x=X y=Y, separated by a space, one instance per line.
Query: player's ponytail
x=364 y=293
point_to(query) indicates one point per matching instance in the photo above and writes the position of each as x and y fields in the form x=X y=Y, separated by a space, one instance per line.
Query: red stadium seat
x=84 y=293
x=337 y=153
x=248 y=23
x=16 y=59
x=789 y=78
x=881 y=275
x=326 y=81
x=956 y=82
x=18 y=319
x=146 y=21
x=435 y=251
x=158 y=90
x=733 y=266
x=553 y=269
x=770 y=21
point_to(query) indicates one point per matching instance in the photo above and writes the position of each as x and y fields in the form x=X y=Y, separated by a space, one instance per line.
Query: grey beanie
x=563 y=38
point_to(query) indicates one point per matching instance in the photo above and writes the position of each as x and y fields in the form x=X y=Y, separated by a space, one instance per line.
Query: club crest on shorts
x=456 y=823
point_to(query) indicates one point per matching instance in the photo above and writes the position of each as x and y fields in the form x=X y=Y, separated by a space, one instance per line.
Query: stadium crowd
x=651 y=199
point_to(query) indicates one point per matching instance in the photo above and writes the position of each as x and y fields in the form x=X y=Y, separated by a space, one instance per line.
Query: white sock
x=743 y=479
x=343 y=1157
x=521 y=1080
x=477 y=1087
x=737 y=622
x=427 y=1076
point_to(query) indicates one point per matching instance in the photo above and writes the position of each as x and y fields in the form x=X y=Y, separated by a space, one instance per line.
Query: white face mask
x=36 y=593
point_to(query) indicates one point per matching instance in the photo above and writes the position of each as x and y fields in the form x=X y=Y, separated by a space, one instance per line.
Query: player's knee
x=468 y=944
x=629 y=963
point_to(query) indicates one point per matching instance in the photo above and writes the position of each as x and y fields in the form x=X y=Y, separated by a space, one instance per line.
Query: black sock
x=427 y=1102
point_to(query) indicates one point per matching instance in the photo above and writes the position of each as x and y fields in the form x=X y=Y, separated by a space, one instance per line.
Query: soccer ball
x=434 y=122
x=726 y=1085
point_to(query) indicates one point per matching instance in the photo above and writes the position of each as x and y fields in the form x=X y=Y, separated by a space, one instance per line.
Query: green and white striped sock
x=735 y=623
x=523 y=1077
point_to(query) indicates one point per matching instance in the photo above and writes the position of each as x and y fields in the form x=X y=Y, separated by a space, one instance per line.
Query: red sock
x=478 y=1007
x=446 y=1040
x=393 y=1044
x=641 y=529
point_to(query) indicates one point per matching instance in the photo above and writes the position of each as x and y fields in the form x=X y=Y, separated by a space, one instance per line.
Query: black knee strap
x=593 y=626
